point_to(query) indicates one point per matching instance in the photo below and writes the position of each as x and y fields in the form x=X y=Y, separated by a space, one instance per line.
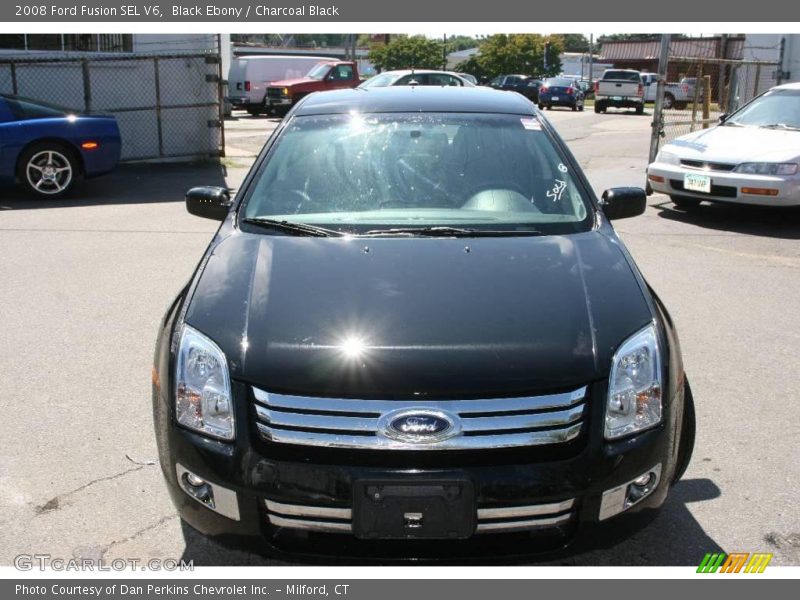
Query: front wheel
x=598 y=108
x=640 y=109
x=48 y=170
x=580 y=108
x=669 y=101
x=685 y=203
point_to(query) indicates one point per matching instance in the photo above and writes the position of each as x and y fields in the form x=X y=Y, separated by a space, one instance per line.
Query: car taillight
x=569 y=91
x=246 y=86
x=640 y=91
x=685 y=88
x=543 y=89
x=596 y=86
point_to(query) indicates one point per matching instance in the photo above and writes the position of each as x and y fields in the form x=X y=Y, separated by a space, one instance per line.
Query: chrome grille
x=707 y=166
x=481 y=424
x=489 y=520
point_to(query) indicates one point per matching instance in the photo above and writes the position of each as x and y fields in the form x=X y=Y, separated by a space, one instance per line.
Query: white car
x=752 y=157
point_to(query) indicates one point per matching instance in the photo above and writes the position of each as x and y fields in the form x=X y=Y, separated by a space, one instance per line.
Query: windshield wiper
x=780 y=126
x=451 y=232
x=293 y=228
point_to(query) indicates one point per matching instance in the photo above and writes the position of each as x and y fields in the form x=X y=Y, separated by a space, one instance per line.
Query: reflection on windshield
x=779 y=109
x=360 y=173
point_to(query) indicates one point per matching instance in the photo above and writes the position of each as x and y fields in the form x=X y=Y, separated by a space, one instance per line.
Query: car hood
x=417 y=317
x=290 y=82
x=737 y=144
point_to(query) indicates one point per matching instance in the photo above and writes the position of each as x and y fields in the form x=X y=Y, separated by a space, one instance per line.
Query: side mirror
x=723 y=117
x=623 y=202
x=209 y=202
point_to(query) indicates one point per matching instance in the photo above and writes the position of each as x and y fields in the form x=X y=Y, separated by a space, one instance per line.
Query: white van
x=249 y=76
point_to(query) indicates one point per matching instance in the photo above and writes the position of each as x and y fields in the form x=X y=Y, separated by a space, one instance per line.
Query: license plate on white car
x=697 y=183
x=554 y=98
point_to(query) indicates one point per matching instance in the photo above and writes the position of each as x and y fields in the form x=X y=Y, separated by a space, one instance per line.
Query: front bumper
x=667 y=178
x=559 y=492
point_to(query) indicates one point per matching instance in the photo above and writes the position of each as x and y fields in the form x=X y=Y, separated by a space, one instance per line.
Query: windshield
x=382 y=80
x=26 y=108
x=357 y=173
x=775 y=108
x=319 y=71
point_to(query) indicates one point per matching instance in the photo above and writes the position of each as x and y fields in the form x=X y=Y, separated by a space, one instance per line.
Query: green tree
x=574 y=42
x=404 y=52
x=516 y=53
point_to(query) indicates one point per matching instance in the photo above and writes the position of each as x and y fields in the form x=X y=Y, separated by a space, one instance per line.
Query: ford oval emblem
x=419 y=426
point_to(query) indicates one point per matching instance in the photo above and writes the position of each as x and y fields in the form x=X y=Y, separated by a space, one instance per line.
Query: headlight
x=285 y=91
x=767 y=168
x=667 y=158
x=634 y=388
x=203 y=399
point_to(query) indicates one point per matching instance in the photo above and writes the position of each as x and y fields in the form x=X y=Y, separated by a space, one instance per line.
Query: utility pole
x=655 y=136
x=591 y=58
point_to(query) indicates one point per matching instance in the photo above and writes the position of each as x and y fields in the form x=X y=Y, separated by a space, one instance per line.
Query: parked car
x=676 y=95
x=619 y=88
x=560 y=91
x=249 y=77
x=751 y=157
x=471 y=78
x=48 y=148
x=330 y=75
x=524 y=84
x=416 y=321
x=587 y=87
x=415 y=77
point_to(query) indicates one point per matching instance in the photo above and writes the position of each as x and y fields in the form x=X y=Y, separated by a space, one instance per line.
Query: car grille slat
x=489 y=520
x=707 y=166
x=482 y=423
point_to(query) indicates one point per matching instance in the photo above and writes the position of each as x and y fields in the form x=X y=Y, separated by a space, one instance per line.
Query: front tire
x=598 y=107
x=640 y=110
x=685 y=203
x=669 y=101
x=48 y=170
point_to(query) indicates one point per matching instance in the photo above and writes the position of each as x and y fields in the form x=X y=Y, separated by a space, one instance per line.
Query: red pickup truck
x=329 y=75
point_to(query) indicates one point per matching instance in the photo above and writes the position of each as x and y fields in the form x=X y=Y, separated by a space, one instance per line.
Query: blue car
x=48 y=148
x=560 y=91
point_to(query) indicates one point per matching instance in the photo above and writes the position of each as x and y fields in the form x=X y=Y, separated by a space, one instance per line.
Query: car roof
x=788 y=86
x=402 y=72
x=416 y=99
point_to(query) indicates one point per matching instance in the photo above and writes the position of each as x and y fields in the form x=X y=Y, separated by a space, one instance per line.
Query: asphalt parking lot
x=85 y=282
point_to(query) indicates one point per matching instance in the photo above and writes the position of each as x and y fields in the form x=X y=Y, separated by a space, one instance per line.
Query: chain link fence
x=167 y=105
x=700 y=90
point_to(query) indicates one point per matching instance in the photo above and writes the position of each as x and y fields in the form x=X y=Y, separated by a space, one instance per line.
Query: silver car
x=751 y=157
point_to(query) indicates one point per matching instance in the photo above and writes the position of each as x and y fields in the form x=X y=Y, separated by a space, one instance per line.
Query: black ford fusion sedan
x=416 y=336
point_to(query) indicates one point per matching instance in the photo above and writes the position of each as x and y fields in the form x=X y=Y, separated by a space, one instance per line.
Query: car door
x=341 y=76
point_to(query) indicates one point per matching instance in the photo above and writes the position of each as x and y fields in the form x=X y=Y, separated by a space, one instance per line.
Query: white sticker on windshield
x=562 y=167
x=531 y=124
x=557 y=191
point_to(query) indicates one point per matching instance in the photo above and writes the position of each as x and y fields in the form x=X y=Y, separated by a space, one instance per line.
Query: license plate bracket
x=697 y=183
x=420 y=509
